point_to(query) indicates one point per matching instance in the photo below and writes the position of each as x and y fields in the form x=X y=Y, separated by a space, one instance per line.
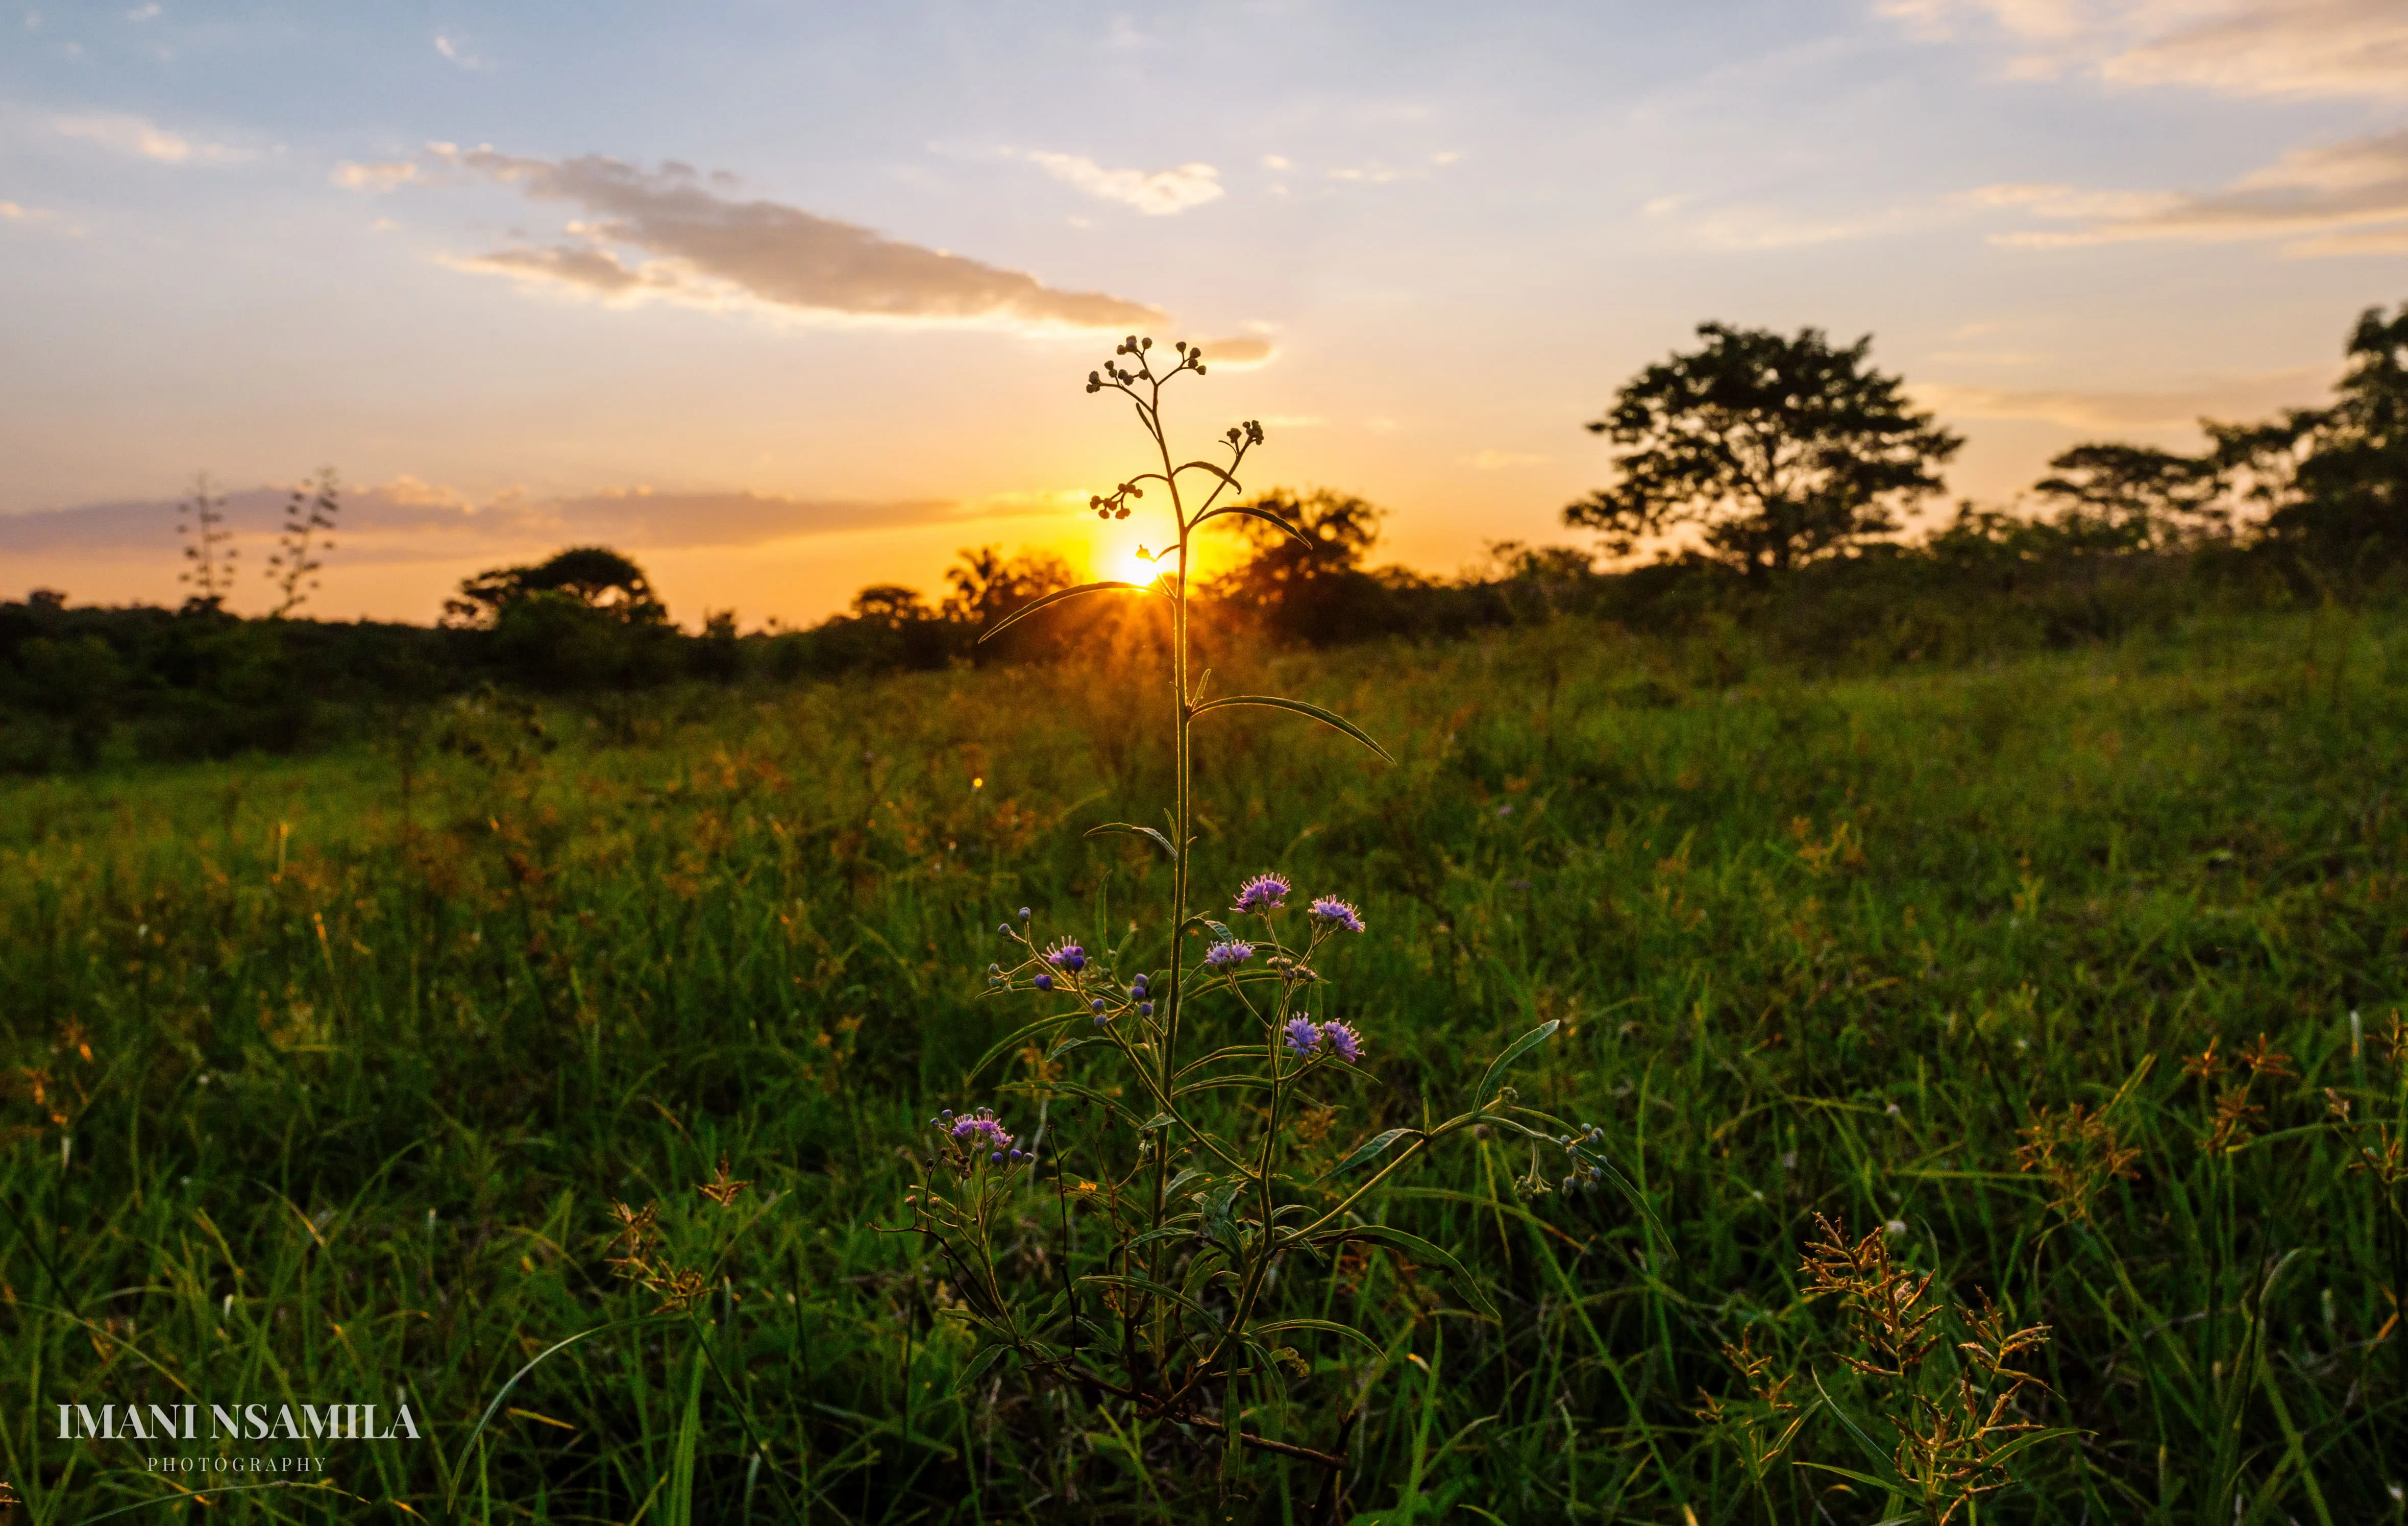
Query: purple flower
x=1263 y=893
x=1067 y=955
x=1303 y=1035
x=1342 y=1038
x=1044 y=981
x=1338 y=914
x=1227 y=956
x=979 y=1130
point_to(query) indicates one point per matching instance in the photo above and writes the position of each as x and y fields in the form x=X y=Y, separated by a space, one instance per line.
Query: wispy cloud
x=2323 y=199
x=13 y=211
x=456 y=50
x=1749 y=228
x=706 y=248
x=2107 y=410
x=407 y=520
x=2295 y=48
x=1245 y=350
x=386 y=175
x=143 y=138
x=1493 y=460
x=1160 y=193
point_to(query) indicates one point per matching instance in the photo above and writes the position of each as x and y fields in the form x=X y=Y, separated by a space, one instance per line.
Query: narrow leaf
x=1018 y=1037
x=1056 y=597
x=1267 y=518
x=1123 y=827
x=1301 y=708
x=1421 y=1251
x=1513 y=1051
x=1366 y=1150
x=1328 y=1326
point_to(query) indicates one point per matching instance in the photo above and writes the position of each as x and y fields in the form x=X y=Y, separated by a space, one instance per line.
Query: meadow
x=325 y=1074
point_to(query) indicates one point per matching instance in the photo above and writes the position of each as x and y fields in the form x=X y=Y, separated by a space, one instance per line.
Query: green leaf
x=1110 y=585
x=1134 y=831
x=980 y=1366
x=1422 y=1251
x=1366 y=1150
x=1018 y=1037
x=1275 y=703
x=1327 y=1325
x=1302 y=538
x=1513 y=1051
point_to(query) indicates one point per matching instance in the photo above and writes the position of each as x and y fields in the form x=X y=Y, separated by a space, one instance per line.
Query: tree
x=1782 y=449
x=890 y=606
x=1310 y=584
x=988 y=585
x=2336 y=478
x=595 y=577
x=2142 y=496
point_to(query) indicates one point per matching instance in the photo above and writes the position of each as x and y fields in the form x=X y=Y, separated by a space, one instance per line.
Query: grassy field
x=325 y=1075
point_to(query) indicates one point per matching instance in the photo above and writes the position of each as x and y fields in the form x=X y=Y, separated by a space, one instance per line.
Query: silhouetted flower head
x=1263 y=893
x=1303 y=1035
x=1342 y=1038
x=1227 y=956
x=1338 y=914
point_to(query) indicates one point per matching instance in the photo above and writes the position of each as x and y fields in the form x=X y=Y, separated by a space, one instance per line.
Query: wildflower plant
x=1177 y=1215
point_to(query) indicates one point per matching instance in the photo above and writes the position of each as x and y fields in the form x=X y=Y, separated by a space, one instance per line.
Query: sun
x=1136 y=569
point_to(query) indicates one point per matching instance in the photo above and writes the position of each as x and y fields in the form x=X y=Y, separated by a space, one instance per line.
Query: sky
x=787 y=298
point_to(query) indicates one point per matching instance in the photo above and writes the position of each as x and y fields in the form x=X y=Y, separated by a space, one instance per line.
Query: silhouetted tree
x=2147 y=498
x=1313 y=588
x=987 y=586
x=1782 y=449
x=2336 y=479
x=595 y=577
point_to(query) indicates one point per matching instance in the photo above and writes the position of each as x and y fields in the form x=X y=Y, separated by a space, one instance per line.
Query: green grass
x=369 y=1066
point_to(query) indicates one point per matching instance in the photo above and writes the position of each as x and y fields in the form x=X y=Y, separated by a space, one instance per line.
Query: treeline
x=1772 y=476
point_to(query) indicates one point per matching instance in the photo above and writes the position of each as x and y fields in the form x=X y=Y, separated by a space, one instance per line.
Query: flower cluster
x=968 y=1135
x=1064 y=966
x=1261 y=895
x=1305 y=1038
x=1227 y=956
x=1338 y=914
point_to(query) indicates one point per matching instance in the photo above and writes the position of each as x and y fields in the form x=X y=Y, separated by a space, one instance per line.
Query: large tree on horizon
x=1780 y=450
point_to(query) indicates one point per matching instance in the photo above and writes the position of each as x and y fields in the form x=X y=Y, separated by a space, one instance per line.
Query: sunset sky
x=787 y=298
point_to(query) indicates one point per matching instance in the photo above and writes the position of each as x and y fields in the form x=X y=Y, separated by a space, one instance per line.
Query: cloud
x=2279 y=47
x=377 y=176
x=1160 y=194
x=144 y=139
x=1237 y=352
x=710 y=249
x=1740 y=227
x=456 y=50
x=407 y=520
x=12 y=211
x=2328 y=191
x=2080 y=408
